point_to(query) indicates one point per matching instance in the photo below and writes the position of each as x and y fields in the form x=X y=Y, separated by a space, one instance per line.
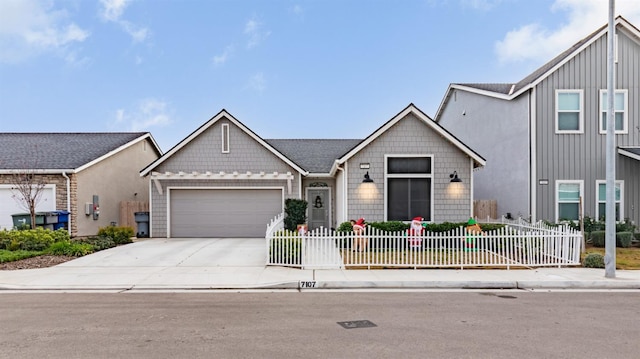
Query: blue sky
x=285 y=68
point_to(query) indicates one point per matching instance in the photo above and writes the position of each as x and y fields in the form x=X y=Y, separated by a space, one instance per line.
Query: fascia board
x=113 y=152
x=37 y=171
x=624 y=152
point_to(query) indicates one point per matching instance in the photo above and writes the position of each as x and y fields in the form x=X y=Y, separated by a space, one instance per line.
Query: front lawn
x=626 y=258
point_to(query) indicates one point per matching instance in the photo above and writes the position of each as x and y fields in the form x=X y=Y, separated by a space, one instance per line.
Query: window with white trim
x=568 y=194
x=225 y=138
x=569 y=113
x=601 y=209
x=619 y=108
x=409 y=187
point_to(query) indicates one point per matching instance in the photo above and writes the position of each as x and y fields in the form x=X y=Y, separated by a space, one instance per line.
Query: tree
x=27 y=188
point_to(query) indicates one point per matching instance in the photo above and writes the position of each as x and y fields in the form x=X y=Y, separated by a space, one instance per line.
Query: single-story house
x=223 y=180
x=86 y=174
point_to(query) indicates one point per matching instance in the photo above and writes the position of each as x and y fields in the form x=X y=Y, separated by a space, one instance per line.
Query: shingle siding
x=410 y=136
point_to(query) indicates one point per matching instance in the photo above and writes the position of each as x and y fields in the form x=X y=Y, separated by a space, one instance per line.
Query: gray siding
x=582 y=156
x=410 y=136
x=204 y=153
x=497 y=129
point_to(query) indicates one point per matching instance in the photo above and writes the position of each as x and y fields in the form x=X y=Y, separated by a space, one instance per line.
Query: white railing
x=511 y=246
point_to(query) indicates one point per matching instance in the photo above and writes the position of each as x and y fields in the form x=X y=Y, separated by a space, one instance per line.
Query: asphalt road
x=474 y=324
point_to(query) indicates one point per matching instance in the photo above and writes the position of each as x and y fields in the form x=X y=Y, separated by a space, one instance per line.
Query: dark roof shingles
x=314 y=155
x=58 y=151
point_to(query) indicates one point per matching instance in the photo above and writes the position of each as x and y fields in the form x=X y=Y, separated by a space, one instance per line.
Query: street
x=289 y=324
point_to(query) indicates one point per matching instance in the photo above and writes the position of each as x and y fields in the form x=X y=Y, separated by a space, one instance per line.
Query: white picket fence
x=518 y=244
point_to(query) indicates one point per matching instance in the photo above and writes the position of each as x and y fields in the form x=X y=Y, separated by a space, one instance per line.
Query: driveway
x=180 y=252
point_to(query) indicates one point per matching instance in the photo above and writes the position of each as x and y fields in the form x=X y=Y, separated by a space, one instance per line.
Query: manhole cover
x=357 y=324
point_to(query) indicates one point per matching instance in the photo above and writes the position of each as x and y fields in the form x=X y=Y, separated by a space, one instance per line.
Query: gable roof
x=63 y=152
x=222 y=114
x=507 y=91
x=631 y=152
x=412 y=109
x=314 y=155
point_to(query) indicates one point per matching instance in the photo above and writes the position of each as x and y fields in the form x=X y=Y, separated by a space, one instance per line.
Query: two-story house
x=544 y=137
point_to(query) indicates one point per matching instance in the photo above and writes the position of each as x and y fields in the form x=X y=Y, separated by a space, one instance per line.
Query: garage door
x=9 y=206
x=200 y=213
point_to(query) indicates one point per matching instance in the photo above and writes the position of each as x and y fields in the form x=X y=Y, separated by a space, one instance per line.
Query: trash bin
x=21 y=220
x=63 y=220
x=142 y=220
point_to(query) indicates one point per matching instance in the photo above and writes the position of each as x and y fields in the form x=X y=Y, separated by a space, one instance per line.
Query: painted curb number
x=307 y=284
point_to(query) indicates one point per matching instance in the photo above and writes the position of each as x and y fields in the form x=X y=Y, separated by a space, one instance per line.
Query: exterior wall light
x=454 y=177
x=367 y=179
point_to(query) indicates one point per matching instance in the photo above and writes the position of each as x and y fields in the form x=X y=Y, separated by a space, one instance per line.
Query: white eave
x=119 y=149
x=194 y=175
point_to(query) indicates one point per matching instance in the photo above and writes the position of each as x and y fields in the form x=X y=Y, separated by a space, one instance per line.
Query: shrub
x=296 y=210
x=391 y=226
x=345 y=227
x=625 y=226
x=60 y=235
x=286 y=247
x=98 y=242
x=37 y=239
x=597 y=238
x=623 y=239
x=120 y=235
x=66 y=248
x=594 y=260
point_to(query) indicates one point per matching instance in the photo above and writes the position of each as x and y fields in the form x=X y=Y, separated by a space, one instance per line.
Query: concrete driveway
x=180 y=252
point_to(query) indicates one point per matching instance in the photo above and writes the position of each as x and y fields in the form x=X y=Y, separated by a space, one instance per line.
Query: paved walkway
x=174 y=264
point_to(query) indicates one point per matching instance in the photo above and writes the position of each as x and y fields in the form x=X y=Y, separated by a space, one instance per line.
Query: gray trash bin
x=142 y=220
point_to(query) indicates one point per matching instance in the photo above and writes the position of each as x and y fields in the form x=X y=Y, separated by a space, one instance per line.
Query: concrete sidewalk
x=183 y=264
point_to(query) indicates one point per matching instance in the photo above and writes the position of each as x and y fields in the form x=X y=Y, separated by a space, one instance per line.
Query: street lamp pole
x=610 y=210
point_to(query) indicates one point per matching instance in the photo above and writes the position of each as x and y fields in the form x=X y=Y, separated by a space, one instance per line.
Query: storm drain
x=357 y=324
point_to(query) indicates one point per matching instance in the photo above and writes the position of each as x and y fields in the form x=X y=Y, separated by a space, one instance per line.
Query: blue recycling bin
x=63 y=220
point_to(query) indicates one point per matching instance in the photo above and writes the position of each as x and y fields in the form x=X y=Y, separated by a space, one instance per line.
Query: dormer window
x=225 y=138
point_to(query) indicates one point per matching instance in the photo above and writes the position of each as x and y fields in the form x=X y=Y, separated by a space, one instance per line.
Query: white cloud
x=483 y=5
x=253 y=29
x=31 y=27
x=224 y=56
x=257 y=82
x=146 y=114
x=535 y=42
x=112 y=11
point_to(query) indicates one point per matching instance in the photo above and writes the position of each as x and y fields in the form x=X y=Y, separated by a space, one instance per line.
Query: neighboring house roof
x=507 y=91
x=631 y=152
x=63 y=152
x=314 y=155
x=477 y=159
x=222 y=114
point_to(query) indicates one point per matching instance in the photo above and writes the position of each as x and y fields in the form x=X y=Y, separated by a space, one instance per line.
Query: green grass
x=626 y=258
x=10 y=256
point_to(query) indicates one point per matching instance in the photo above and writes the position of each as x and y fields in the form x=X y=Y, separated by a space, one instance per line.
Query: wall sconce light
x=454 y=177
x=367 y=179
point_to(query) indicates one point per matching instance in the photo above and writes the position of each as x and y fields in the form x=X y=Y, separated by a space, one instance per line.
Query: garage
x=9 y=205
x=202 y=213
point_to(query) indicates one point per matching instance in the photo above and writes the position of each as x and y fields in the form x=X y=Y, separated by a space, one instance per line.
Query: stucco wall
x=499 y=131
x=114 y=179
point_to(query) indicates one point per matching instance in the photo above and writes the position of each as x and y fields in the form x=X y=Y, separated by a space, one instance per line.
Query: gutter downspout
x=344 y=192
x=64 y=174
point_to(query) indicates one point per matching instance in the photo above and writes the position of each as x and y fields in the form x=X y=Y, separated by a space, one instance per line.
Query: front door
x=319 y=207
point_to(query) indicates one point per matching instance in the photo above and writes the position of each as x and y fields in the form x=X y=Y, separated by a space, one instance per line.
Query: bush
x=623 y=239
x=98 y=242
x=296 y=211
x=120 y=235
x=391 y=226
x=286 y=247
x=66 y=248
x=597 y=238
x=345 y=227
x=37 y=239
x=594 y=260
x=60 y=235
x=625 y=226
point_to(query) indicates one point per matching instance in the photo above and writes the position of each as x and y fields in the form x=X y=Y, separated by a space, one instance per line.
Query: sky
x=284 y=68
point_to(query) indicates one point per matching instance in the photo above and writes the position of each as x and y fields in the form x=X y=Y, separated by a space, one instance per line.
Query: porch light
x=454 y=177
x=367 y=179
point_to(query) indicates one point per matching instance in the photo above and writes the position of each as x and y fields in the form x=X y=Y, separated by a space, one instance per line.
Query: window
x=601 y=188
x=569 y=115
x=225 y=138
x=409 y=187
x=619 y=108
x=568 y=194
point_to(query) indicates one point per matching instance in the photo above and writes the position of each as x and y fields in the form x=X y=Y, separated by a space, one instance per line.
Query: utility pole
x=610 y=210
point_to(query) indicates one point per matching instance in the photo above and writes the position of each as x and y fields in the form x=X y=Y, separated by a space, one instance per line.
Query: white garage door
x=9 y=205
x=201 y=213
